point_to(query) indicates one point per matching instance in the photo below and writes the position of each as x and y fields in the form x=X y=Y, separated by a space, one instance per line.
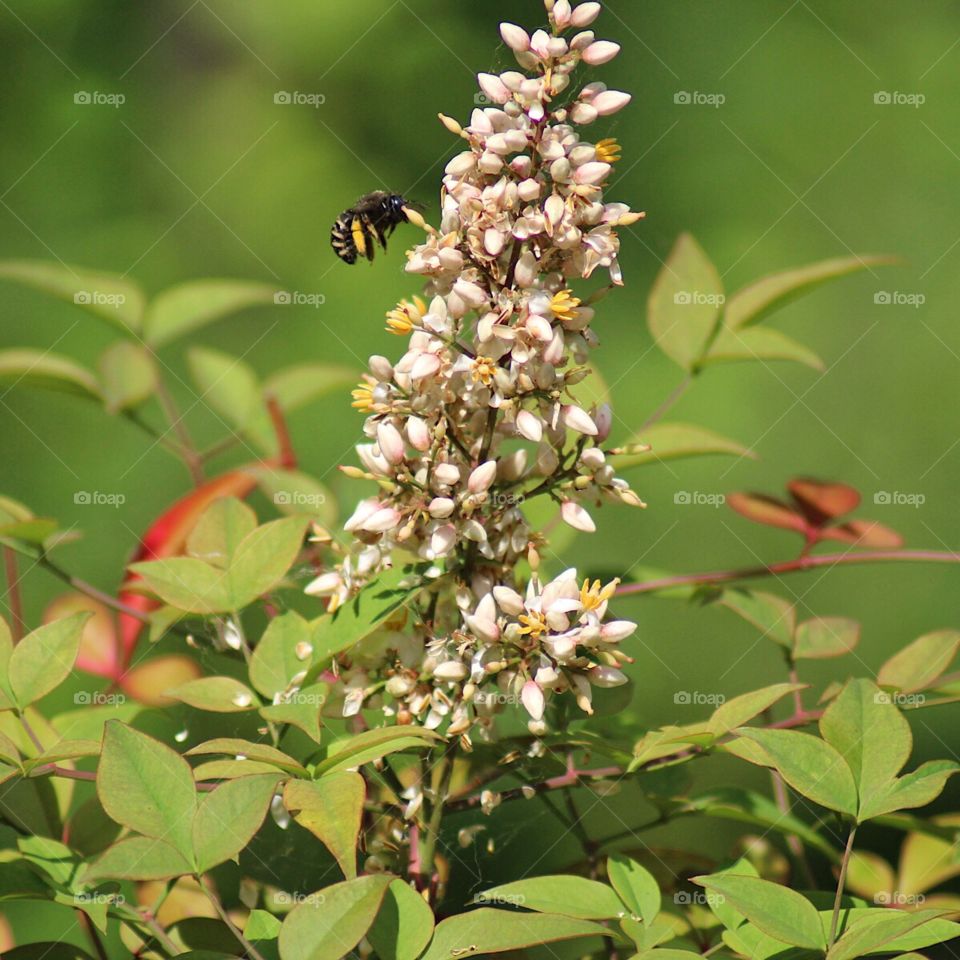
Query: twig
x=250 y=949
x=93 y=934
x=188 y=452
x=13 y=593
x=91 y=591
x=790 y=566
x=668 y=404
x=841 y=883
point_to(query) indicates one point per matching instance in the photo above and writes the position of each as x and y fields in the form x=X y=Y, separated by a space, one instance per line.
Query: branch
x=790 y=566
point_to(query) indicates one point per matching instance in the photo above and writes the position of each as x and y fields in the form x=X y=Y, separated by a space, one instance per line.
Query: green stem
x=841 y=883
x=91 y=591
x=248 y=947
x=431 y=836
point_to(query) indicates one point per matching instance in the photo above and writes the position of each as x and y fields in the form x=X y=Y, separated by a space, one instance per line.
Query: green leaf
x=759 y=343
x=736 y=712
x=43 y=659
x=824 y=637
x=486 y=931
x=262 y=752
x=875 y=930
x=6 y=651
x=228 y=385
x=231 y=769
x=189 y=306
x=8 y=751
x=871 y=734
x=778 y=911
x=219 y=531
x=770 y=293
x=677 y=441
x=50 y=371
x=51 y=857
x=920 y=664
x=146 y=786
x=684 y=305
x=186 y=583
x=363 y=614
x=228 y=818
x=635 y=886
x=331 y=922
x=65 y=750
x=54 y=950
x=773 y=616
x=372 y=745
x=563 y=894
x=301 y=709
x=296 y=493
x=284 y=650
x=263 y=557
x=138 y=858
x=215 y=694
x=262 y=929
x=105 y=295
x=293 y=387
x=331 y=808
x=915 y=789
x=810 y=765
x=128 y=375
x=404 y=925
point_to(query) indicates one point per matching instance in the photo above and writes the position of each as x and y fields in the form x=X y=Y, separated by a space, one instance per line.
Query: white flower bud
x=447 y=473
x=390 y=442
x=324 y=585
x=576 y=418
x=617 y=630
x=473 y=530
x=400 y=686
x=364 y=510
x=493 y=241
x=451 y=670
x=583 y=113
x=440 y=508
x=604 y=421
x=443 y=540
x=602 y=676
x=592 y=173
x=610 y=101
x=603 y=51
x=482 y=477
x=529 y=190
x=509 y=601
x=539 y=328
x=529 y=426
x=418 y=433
x=533 y=700
x=381 y=520
x=381 y=368
x=584 y=14
x=493 y=87
x=575 y=516
x=562 y=13
x=426 y=365
x=516 y=38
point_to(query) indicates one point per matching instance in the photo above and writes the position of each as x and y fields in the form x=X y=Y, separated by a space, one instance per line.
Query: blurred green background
x=200 y=173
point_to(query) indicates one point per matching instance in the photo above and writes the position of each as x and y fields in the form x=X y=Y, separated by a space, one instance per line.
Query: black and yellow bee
x=373 y=218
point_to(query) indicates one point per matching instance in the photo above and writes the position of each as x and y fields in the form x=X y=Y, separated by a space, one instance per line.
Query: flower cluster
x=480 y=414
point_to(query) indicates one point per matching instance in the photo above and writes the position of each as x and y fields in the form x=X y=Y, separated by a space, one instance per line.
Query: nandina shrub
x=372 y=708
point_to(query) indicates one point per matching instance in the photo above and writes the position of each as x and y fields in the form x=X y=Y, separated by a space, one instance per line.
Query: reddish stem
x=287 y=456
x=13 y=593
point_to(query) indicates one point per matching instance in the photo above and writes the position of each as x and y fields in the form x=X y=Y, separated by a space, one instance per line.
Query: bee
x=373 y=218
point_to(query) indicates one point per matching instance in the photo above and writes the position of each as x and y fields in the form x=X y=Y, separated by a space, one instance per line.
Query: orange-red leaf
x=146 y=682
x=823 y=501
x=767 y=510
x=865 y=533
x=99 y=651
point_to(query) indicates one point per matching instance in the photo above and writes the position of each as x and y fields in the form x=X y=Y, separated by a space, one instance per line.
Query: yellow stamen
x=608 y=150
x=484 y=369
x=402 y=319
x=534 y=624
x=363 y=397
x=564 y=305
x=594 y=595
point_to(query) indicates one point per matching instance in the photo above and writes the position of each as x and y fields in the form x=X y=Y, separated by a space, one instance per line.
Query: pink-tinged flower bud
x=493 y=241
x=493 y=87
x=529 y=190
x=508 y=600
x=603 y=51
x=583 y=114
x=473 y=530
x=516 y=38
x=604 y=421
x=617 y=630
x=529 y=426
x=584 y=14
x=526 y=272
x=539 y=43
x=324 y=585
x=461 y=164
x=575 y=516
x=554 y=209
x=482 y=477
x=610 y=101
x=483 y=627
x=593 y=458
x=451 y=670
x=560 y=170
x=440 y=508
x=471 y=293
x=443 y=540
x=602 y=676
x=531 y=696
x=582 y=40
x=381 y=368
x=390 y=443
x=592 y=173
x=447 y=473
x=364 y=510
x=426 y=365
x=418 y=433
x=381 y=521
x=554 y=352
x=490 y=163
x=547 y=460
x=539 y=328
x=562 y=13
x=576 y=418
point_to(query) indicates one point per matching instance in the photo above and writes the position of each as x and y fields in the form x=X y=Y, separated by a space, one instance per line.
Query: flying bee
x=373 y=218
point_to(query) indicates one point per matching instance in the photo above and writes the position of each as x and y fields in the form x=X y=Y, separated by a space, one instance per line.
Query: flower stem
x=431 y=835
x=841 y=883
x=248 y=947
x=13 y=593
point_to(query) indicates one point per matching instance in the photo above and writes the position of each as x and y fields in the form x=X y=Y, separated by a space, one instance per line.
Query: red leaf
x=146 y=681
x=767 y=510
x=820 y=501
x=865 y=533
x=99 y=651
